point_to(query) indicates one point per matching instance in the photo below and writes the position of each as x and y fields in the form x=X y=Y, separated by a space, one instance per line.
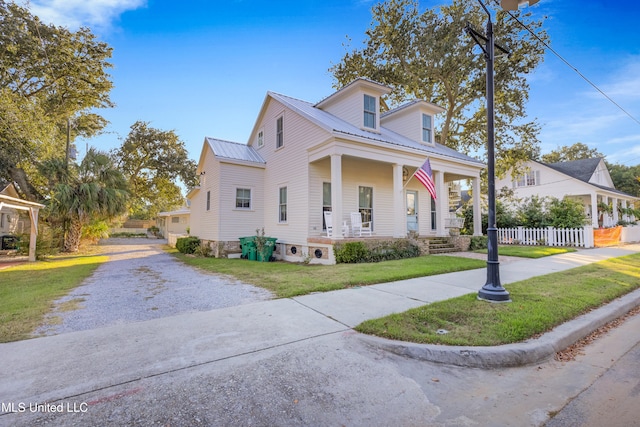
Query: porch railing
x=549 y=236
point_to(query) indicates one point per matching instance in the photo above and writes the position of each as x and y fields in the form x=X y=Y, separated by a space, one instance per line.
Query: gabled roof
x=406 y=105
x=359 y=82
x=334 y=124
x=234 y=151
x=583 y=170
x=578 y=169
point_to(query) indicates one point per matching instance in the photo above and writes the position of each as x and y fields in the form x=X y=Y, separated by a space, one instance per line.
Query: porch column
x=33 y=215
x=399 y=214
x=594 y=210
x=615 y=210
x=477 y=209
x=442 y=204
x=624 y=207
x=336 y=194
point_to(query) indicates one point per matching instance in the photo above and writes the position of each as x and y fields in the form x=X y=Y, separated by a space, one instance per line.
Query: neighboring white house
x=338 y=155
x=586 y=180
x=174 y=222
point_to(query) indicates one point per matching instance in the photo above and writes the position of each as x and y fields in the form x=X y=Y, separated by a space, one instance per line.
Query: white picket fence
x=549 y=236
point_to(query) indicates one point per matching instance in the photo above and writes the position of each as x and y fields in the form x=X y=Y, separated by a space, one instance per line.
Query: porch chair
x=329 y=223
x=358 y=227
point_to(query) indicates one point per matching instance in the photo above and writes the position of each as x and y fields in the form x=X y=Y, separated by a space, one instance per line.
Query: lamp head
x=514 y=4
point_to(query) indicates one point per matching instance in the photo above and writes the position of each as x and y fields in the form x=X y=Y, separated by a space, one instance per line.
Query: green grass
x=288 y=280
x=529 y=251
x=27 y=291
x=539 y=304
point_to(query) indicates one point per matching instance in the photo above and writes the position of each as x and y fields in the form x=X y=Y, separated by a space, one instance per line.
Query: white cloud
x=76 y=13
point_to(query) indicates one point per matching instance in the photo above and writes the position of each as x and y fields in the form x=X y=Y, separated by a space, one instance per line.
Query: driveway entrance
x=142 y=282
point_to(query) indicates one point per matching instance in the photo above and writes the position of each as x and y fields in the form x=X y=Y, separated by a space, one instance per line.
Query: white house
x=586 y=180
x=339 y=155
x=174 y=222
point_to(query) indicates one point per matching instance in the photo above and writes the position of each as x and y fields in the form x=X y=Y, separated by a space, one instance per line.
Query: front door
x=412 y=211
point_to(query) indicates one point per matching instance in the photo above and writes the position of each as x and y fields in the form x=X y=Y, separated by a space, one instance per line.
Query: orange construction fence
x=606 y=236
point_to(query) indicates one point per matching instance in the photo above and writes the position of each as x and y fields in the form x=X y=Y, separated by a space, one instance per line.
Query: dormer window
x=426 y=128
x=369 y=112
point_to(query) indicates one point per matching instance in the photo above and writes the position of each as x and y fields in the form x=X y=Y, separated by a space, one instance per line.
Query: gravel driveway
x=142 y=282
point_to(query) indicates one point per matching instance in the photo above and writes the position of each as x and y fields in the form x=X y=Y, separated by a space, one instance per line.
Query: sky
x=203 y=68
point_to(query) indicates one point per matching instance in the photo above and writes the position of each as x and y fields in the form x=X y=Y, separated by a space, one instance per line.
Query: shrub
x=350 y=252
x=375 y=251
x=188 y=245
x=479 y=242
x=95 y=231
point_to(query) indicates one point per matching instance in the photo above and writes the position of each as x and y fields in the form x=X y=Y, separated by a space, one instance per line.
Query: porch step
x=441 y=245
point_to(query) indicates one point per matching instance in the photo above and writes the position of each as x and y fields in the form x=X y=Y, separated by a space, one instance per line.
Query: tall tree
x=152 y=161
x=428 y=55
x=95 y=189
x=625 y=178
x=48 y=75
x=566 y=153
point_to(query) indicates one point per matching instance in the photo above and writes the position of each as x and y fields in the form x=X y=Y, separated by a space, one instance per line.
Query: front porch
x=387 y=196
x=320 y=250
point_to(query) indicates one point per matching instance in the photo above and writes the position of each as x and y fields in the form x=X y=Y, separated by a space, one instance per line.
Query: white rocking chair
x=358 y=227
x=329 y=223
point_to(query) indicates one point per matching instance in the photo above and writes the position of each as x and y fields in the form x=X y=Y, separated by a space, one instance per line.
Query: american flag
x=425 y=176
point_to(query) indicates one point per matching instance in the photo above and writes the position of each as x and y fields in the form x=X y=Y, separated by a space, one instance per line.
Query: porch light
x=492 y=290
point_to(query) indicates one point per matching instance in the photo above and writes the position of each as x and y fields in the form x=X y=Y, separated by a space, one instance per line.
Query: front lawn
x=539 y=304
x=529 y=251
x=288 y=279
x=27 y=291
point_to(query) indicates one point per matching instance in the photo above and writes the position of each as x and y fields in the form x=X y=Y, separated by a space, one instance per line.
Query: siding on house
x=205 y=224
x=234 y=222
x=407 y=120
x=288 y=166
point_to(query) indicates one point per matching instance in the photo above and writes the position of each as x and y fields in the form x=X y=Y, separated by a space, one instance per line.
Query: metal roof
x=234 y=151
x=332 y=123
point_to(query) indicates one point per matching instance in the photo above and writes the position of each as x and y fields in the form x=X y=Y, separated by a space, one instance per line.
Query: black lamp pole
x=492 y=290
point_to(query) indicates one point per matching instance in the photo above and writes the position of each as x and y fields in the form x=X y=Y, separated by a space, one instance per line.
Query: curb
x=509 y=355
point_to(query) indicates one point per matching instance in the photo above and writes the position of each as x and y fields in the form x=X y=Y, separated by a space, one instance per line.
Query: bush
x=479 y=242
x=375 y=251
x=351 y=252
x=188 y=245
x=95 y=231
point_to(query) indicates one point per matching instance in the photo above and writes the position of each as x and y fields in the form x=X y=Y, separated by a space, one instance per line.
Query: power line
x=523 y=25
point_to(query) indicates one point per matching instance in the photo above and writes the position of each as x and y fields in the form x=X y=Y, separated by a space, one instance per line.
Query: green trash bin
x=267 y=252
x=251 y=256
x=246 y=243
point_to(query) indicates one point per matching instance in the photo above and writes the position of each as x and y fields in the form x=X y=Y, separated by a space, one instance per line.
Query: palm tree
x=94 y=189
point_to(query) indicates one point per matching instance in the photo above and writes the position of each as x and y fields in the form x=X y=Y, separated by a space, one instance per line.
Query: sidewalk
x=57 y=367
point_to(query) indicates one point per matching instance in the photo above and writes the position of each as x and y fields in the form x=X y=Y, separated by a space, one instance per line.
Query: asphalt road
x=294 y=370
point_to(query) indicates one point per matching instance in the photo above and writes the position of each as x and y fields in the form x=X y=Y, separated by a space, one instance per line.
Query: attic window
x=527 y=179
x=426 y=128
x=369 y=112
x=260 y=138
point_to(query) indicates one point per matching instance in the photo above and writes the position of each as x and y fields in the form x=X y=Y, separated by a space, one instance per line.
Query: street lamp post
x=493 y=290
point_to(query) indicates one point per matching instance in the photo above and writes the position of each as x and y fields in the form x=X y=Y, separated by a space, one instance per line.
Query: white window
x=260 y=141
x=365 y=203
x=369 y=112
x=279 y=132
x=208 y=200
x=283 y=205
x=175 y=220
x=527 y=179
x=426 y=128
x=243 y=198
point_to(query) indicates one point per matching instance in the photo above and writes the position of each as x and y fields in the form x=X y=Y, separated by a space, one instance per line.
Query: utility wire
x=523 y=25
